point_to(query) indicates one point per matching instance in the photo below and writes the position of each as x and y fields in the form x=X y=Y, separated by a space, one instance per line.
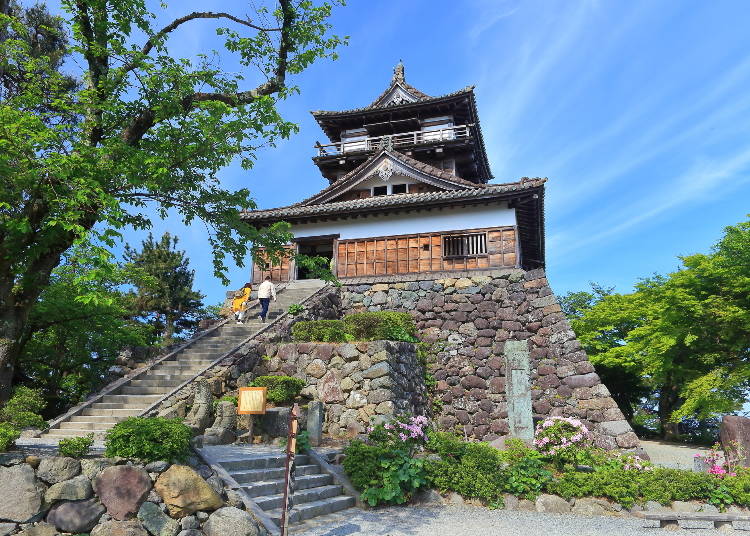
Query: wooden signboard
x=252 y=401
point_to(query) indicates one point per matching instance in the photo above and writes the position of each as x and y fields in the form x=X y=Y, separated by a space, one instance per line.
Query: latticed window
x=465 y=245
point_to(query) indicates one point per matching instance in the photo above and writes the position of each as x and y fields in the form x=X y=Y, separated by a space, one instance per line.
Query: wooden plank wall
x=421 y=253
x=279 y=273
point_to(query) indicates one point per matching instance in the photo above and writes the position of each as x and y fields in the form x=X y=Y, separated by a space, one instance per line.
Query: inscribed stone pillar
x=315 y=422
x=518 y=389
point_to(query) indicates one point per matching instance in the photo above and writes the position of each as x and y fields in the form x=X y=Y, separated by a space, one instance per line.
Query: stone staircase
x=259 y=472
x=135 y=396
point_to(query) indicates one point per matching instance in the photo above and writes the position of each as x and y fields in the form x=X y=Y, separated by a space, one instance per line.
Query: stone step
x=138 y=391
x=179 y=370
x=271 y=502
x=154 y=382
x=117 y=412
x=58 y=433
x=272 y=473
x=90 y=426
x=261 y=462
x=95 y=418
x=145 y=400
x=273 y=487
x=157 y=375
x=312 y=509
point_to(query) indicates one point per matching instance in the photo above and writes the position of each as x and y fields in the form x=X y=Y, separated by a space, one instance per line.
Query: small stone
x=119 y=528
x=377 y=370
x=526 y=505
x=653 y=506
x=7 y=528
x=552 y=504
x=454 y=499
x=57 y=469
x=189 y=522
x=684 y=506
x=230 y=521
x=34 y=462
x=190 y=532
x=202 y=516
x=42 y=529
x=316 y=368
x=91 y=467
x=588 y=507
x=510 y=502
x=157 y=522
x=75 y=516
x=157 y=467
x=75 y=489
x=428 y=497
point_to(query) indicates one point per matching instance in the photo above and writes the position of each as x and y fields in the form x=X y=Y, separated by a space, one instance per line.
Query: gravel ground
x=474 y=521
x=675 y=455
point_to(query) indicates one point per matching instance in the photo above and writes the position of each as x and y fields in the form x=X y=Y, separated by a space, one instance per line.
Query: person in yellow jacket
x=240 y=302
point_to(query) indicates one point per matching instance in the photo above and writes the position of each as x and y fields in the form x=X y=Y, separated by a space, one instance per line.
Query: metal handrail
x=417 y=137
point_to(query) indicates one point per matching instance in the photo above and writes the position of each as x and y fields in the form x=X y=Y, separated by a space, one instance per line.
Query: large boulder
x=736 y=429
x=27 y=494
x=75 y=516
x=184 y=491
x=7 y=528
x=157 y=522
x=119 y=528
x=230 y=521
x=58 y=469
x=75 y=489
x=122 y=489
x=91 y=467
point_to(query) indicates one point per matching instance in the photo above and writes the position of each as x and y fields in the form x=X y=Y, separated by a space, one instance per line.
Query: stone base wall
x=359 y=383
x=469 y=317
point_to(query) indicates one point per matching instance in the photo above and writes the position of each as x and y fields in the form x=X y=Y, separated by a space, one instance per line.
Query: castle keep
x=411 y=222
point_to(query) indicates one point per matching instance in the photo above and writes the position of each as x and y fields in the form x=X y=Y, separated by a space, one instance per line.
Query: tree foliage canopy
x=681 y=340
x=144 y=128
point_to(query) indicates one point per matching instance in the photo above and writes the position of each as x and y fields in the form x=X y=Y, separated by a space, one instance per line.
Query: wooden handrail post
x=291 y=449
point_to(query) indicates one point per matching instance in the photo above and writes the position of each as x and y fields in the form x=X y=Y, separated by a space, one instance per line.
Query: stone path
x=675 y=455
x=475 y=521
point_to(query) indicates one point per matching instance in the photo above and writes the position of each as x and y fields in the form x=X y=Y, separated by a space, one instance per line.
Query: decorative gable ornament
x=385 y=170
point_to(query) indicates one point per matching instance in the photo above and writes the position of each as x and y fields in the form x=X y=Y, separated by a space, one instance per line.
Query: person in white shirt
x=266 y=291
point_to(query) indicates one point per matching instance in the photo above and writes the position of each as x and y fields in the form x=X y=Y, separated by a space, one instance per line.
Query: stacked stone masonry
x=468 y=317
x=360 y=383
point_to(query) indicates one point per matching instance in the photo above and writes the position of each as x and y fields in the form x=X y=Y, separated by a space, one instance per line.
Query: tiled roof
x=421 y=166
x=490 y=191
x=422 y=100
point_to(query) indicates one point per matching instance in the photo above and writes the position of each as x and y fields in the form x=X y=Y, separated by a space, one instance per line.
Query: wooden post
x=291 y=449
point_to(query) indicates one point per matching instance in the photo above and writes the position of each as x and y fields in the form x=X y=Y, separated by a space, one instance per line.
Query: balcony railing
x=417 y=137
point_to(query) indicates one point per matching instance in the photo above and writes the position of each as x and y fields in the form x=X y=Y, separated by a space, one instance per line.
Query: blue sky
x=638 y=112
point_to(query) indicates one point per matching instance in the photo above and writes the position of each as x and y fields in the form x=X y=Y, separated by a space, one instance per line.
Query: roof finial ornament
x=398 y=72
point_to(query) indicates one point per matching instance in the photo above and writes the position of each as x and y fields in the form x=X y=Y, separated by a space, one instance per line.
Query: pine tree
x=164 y=294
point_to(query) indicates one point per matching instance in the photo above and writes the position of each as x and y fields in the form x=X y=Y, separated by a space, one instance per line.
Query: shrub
x=320 y=331
x=386 y=470
x=527 y=478
x=616 y=484
x=381 y=325
x=280 y=388
x=76 y=447
x=446 y=445
x=225 y=398
x=479 y=473
x=296 y=309
x=8 y=434
x=22 y=410
x=149 y=439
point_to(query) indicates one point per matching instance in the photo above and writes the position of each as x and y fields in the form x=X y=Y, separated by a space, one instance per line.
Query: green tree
x=71 y=343
x=683 y=337
x=146 y=128
x=164 y=293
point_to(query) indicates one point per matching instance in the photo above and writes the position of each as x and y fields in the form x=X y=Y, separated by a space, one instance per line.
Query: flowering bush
x=635 y=463
x=722 y=463
x=384 y=466
x=562 y=438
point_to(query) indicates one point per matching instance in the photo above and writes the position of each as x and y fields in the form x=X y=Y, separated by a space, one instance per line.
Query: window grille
x=380 y=190
x=465 y=245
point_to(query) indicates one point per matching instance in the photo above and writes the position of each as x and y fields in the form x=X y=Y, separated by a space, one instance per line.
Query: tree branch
x=146 y=119
x=172 y=26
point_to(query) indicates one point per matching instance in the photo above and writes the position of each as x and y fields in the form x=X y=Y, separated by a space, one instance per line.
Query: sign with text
x=252 y=401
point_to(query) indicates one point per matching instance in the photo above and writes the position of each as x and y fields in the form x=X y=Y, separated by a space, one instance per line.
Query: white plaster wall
x=447 y=219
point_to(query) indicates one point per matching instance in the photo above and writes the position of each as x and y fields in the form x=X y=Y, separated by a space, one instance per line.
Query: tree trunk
x=11 y=330
x=667 y=404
